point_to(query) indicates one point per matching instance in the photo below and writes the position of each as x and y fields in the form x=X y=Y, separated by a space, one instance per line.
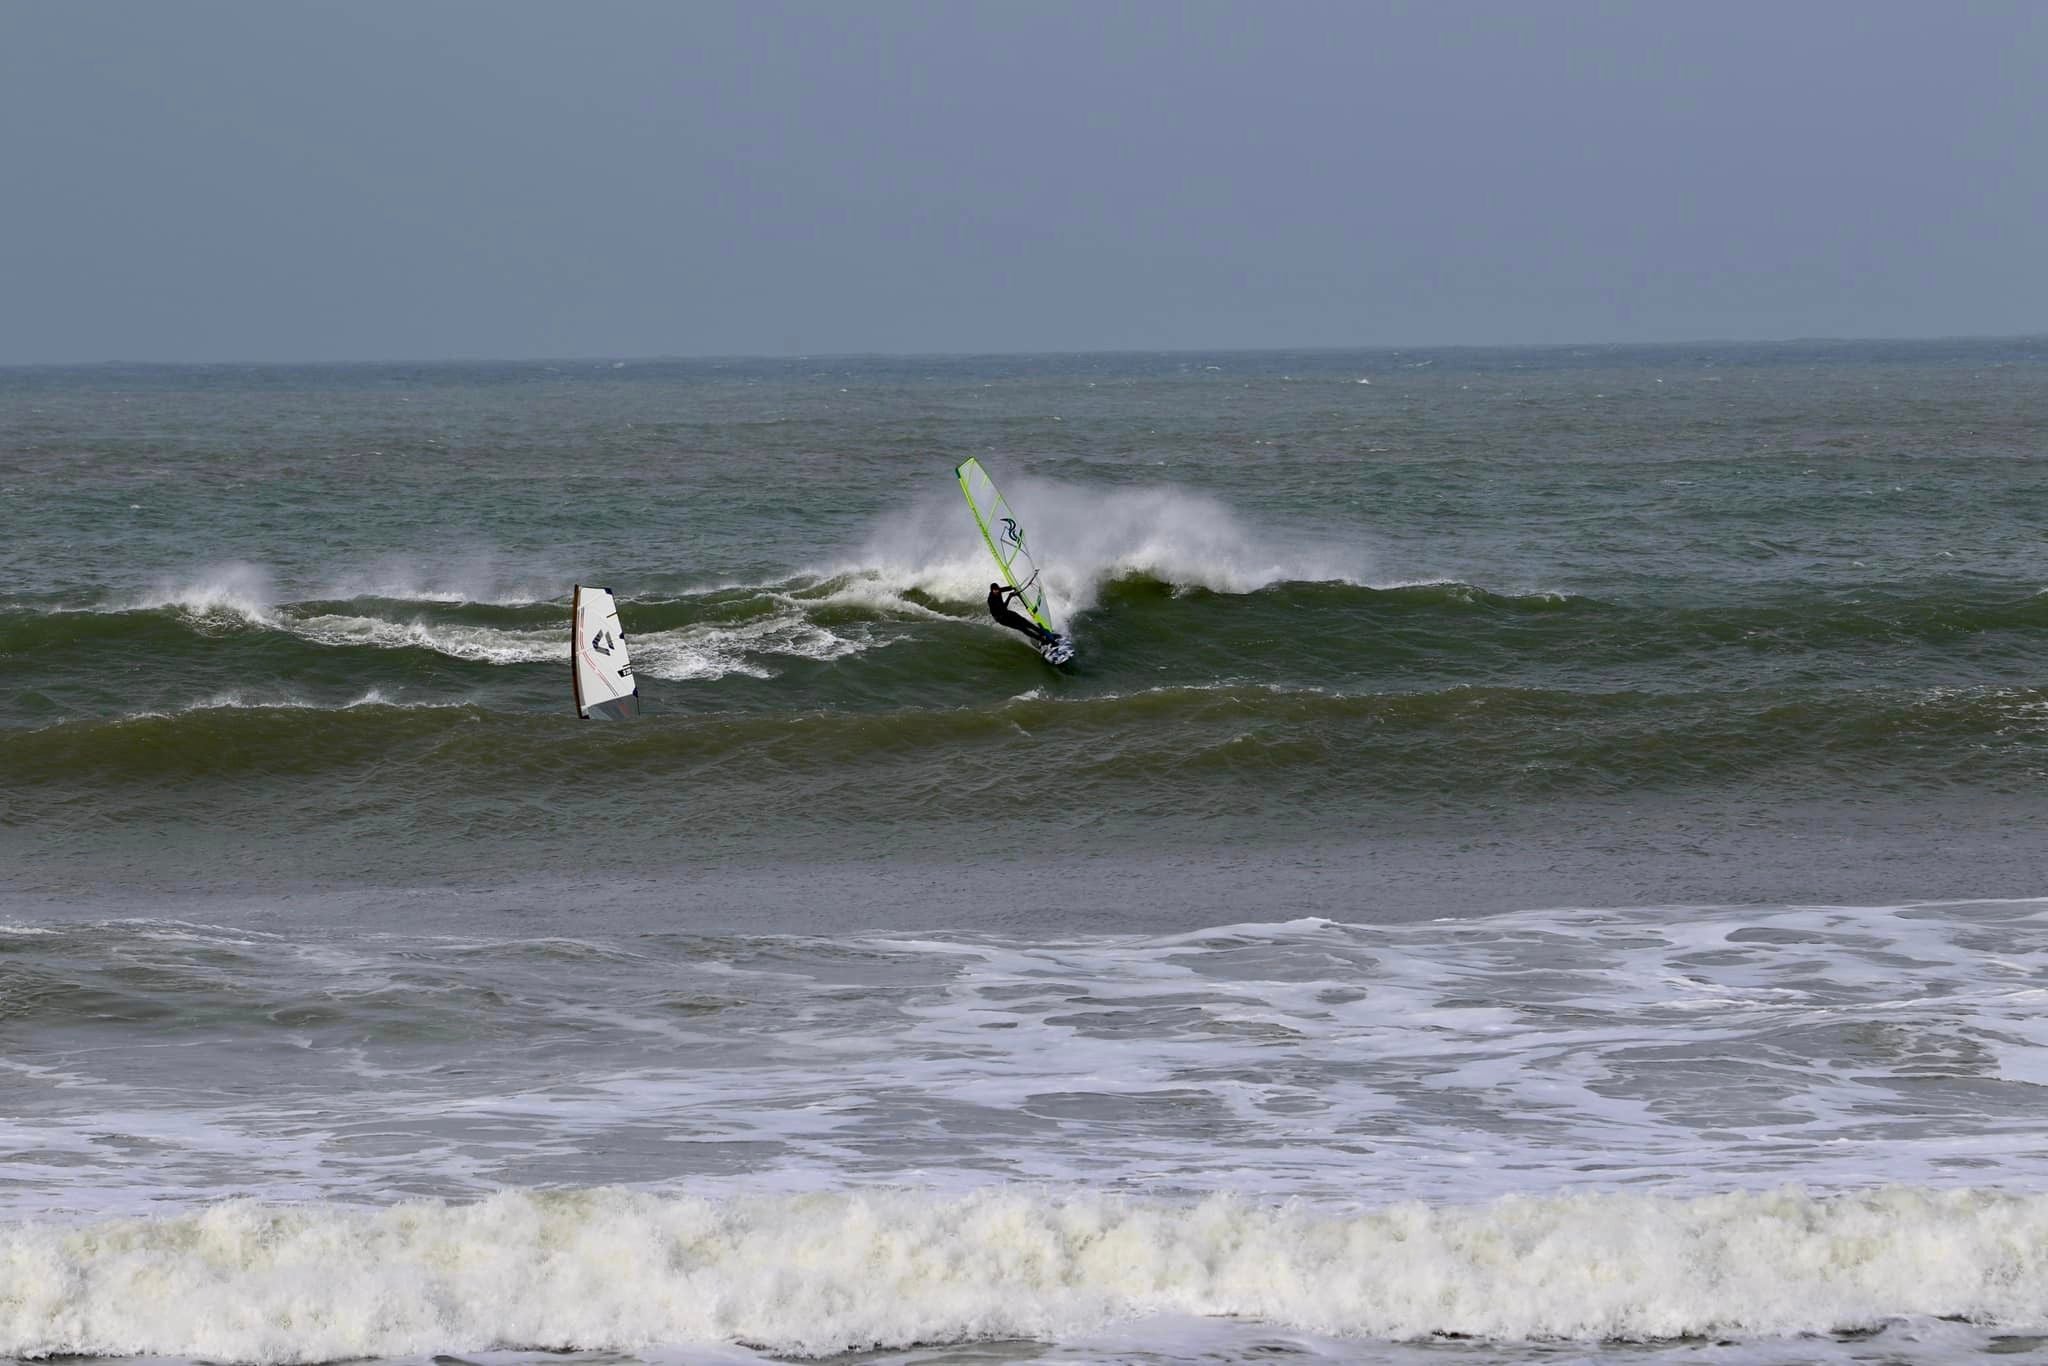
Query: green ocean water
x=258 y=622
x=1495 y=885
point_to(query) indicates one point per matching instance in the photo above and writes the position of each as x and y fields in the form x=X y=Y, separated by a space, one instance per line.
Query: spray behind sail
x=600 y=672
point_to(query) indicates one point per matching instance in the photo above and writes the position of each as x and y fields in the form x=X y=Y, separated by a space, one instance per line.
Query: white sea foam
x=864 y=590
x=707 y=652
x=822 y=1273
x=235 y=588
x=703 y=651
x=1084 y=538
x=481 y=644
x=264 y=699
x=261 y=699
x=1688 y=1051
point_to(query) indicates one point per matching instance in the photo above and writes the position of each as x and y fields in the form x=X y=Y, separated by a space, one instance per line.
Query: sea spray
x=1085 y=538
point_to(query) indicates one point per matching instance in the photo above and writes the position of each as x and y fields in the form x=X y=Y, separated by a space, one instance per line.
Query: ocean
x=1539 y=858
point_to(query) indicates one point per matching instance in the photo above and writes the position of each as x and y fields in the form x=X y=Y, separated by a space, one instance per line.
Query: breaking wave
x=1088 y=538
x=818 y=1274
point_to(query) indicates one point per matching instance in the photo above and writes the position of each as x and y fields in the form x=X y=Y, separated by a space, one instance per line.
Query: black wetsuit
x=1005 y=617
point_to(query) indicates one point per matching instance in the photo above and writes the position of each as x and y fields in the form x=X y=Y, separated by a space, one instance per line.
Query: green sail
x=1005 y=538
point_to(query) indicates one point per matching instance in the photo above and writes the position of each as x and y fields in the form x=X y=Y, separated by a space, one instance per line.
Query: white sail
x=599 y=669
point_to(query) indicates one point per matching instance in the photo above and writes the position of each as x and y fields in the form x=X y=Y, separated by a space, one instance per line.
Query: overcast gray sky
x=268 y=181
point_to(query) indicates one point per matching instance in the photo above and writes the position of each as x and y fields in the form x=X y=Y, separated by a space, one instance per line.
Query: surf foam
x=477 y=644
x=826 y=1273
x=708 y=652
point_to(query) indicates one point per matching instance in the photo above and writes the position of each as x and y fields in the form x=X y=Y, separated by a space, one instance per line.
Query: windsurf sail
x=1005 y=537
x=599 y=670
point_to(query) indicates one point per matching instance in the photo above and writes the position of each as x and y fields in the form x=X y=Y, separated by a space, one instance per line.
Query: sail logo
x=602 y=642
x=1012 y=533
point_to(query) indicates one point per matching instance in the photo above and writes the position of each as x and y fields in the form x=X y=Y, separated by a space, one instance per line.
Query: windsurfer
x=998 y=607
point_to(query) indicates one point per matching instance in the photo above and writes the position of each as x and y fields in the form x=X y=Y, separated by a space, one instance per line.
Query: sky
x=190 y=181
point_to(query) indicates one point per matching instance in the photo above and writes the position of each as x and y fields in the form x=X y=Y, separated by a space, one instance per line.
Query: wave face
x=849 y=708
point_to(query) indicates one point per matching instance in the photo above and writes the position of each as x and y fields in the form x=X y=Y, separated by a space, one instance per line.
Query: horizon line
x=734 y=356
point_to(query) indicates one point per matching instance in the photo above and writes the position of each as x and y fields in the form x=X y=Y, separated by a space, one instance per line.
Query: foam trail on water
x=703 y=652
x=697 y=652
x=236 y=699
x=261 y=700
x=825 y=1273
x=862 y=590
x=481 y=644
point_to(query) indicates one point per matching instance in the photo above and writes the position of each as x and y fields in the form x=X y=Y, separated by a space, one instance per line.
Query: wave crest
x=235 y=588
x=1087 y=537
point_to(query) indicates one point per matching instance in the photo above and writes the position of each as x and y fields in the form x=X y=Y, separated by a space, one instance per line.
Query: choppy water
x=1540 y=850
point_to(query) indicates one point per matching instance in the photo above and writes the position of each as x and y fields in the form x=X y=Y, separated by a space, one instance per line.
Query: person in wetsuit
x=998 y=607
